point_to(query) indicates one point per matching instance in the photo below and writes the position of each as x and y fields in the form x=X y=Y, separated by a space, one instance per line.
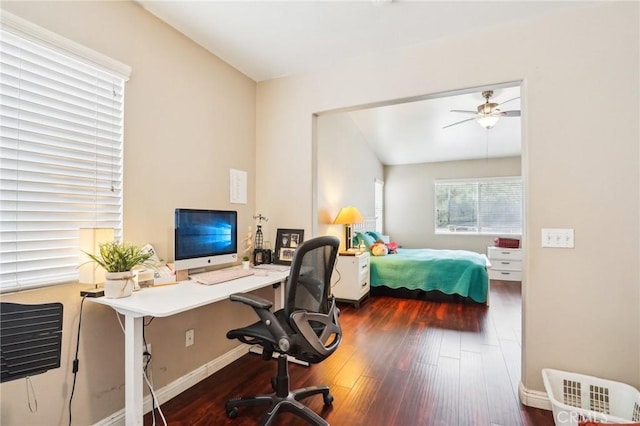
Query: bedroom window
x=61 y=139
x=378 y=203
x=490 y=206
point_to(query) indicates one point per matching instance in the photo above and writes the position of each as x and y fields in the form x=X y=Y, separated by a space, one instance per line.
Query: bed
x=451 y=272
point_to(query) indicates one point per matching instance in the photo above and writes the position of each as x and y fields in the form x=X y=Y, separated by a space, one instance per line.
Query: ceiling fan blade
x=464 y=111
x=508 y=100
x=514 y=113
x=459 y=122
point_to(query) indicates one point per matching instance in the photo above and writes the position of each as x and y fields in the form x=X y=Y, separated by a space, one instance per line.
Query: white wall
x=409 y=206
x=346 y=171
x=580 y=165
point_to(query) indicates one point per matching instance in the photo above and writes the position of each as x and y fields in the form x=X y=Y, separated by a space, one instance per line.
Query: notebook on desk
x=272 y=267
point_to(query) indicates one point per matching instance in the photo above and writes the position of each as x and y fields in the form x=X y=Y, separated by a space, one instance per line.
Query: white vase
x=118 y=284
x=246 y=264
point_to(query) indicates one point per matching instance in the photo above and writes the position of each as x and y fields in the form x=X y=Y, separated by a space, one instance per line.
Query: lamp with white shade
x=90 y=241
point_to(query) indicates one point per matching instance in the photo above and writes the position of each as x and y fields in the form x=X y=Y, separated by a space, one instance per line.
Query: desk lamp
x=348 y=216
x=91 y=273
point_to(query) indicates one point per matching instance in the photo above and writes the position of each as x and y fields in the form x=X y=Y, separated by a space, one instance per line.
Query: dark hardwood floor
x=401 y=362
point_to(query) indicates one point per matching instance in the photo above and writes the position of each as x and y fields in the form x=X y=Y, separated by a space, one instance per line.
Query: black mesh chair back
x=307 y=304
x=307 y=328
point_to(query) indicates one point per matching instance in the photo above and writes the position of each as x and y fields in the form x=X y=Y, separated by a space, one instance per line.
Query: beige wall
x=189 y=118
x=346 y=171
x=580 y=166
x=409 y=201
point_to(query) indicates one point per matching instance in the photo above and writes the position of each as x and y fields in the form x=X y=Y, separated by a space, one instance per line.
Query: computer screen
x=205 y=237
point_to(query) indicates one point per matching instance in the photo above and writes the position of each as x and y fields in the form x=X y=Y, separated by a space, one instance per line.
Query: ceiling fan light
x=488 y=121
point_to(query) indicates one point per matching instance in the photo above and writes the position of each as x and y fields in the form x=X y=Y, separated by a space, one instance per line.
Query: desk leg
x=278 y=296
x=133 y=370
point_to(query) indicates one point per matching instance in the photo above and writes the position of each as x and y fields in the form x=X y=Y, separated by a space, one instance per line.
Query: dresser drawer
x=506 y=265
x=364 y=286
x=495 y=274
x=363 y=268
x=502 y=253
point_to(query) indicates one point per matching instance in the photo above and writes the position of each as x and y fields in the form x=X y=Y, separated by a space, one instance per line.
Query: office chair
x=307 y=328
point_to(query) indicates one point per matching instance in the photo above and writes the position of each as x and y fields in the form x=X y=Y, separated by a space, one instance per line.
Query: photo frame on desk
x=287 y=240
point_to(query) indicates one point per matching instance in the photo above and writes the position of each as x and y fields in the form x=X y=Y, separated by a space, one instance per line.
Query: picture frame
x=287 y=240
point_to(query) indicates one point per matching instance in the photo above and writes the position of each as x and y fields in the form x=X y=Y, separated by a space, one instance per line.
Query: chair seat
x=258 y=334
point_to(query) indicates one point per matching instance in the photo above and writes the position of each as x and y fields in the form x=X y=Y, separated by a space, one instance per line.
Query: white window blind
x=61 y=128
x=483 y=206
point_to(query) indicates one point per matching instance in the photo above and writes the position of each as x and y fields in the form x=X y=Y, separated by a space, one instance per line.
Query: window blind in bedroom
x=61 y=125
x=484 y=206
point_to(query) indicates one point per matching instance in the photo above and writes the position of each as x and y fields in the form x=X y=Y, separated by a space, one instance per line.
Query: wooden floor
x=401 y=362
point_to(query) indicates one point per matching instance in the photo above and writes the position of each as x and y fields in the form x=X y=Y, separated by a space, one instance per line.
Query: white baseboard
x=180 y=385
x=532 y=398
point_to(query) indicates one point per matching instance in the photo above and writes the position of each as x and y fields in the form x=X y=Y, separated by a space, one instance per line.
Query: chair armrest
x=251 y=300
x=262 y=308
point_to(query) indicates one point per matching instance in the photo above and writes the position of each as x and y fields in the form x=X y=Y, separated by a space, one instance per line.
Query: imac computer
x=205 y=238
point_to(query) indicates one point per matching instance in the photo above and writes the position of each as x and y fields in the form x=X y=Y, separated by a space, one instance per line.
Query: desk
x=165 y=301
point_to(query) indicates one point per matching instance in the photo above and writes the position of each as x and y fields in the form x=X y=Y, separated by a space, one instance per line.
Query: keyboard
x=220 y=276
x=272 y=267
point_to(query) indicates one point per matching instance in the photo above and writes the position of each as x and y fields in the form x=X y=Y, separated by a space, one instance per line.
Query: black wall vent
x=30 y=339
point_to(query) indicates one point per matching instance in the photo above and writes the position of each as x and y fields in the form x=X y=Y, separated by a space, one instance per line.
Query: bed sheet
x=449 y=271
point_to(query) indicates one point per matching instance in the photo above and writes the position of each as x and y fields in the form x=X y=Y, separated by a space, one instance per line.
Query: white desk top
x=171 y=299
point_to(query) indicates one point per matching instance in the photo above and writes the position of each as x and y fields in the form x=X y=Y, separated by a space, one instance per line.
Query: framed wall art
x=287 y=240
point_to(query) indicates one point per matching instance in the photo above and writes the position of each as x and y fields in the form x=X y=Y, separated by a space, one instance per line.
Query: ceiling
x=412 y=132
x=271 y=39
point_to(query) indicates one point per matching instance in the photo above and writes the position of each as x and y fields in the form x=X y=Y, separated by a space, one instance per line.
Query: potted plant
x=245 y=262
x=248 y=243
x=118 y=259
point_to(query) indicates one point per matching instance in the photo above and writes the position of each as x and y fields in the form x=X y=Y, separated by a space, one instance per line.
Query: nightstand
x=350 y=279
x=506 y=264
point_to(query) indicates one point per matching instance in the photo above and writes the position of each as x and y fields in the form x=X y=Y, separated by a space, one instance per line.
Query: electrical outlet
x=189 y=337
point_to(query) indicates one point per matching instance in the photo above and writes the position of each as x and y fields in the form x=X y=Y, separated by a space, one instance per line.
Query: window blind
x=483 y=206
x=61 y=132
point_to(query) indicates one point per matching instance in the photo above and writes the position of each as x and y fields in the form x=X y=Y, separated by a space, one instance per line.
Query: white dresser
x=506 y=264
x=350 y=279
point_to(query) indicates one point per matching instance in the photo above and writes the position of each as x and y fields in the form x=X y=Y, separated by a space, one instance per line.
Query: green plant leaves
x=119 y=257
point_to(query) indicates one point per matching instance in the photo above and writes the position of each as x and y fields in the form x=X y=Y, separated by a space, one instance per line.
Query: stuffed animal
x=379 y=248
x=393 y=247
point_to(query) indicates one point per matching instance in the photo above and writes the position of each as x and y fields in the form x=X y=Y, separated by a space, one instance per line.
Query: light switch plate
x=557 y=237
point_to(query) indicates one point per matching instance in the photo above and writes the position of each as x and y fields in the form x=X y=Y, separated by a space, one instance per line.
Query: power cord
x=147 y=360
x=339 y=277
x=146 y=354
x=31 y=391
x=154 y=399
x=76 y=361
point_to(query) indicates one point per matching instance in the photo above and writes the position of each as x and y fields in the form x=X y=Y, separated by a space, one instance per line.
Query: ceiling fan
x=488 y=113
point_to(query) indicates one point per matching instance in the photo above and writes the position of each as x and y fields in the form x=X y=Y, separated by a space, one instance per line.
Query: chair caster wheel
x=327 y=399
x=232 y=413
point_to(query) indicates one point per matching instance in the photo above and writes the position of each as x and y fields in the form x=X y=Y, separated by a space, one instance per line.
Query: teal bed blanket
x=449 y=271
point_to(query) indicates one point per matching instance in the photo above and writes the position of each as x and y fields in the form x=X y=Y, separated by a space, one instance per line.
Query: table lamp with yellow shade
x=348 y=216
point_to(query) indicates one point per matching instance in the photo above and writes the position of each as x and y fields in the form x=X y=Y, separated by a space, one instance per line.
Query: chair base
x=283 y=399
